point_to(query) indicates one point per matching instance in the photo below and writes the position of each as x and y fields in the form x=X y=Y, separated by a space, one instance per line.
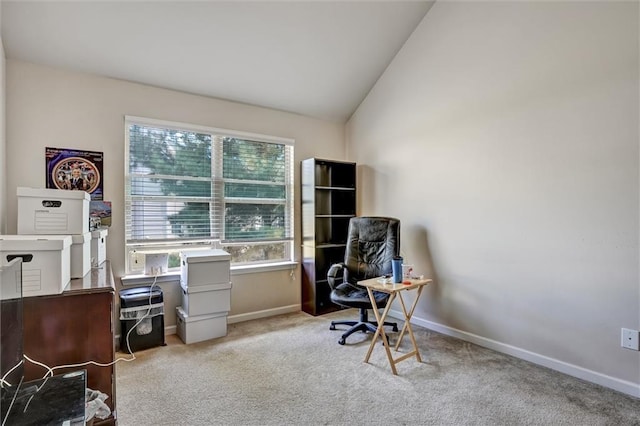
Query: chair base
x=363 y=325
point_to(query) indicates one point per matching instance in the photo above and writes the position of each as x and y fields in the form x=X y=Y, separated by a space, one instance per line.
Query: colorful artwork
x=75 y=170
x=102 y=211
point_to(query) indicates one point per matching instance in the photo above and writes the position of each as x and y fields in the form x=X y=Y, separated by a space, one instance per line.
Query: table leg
x=380 y=331
x=407 y=324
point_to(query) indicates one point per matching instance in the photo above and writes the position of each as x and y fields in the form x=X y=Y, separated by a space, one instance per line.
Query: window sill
x=133 y=280
x=172 y=276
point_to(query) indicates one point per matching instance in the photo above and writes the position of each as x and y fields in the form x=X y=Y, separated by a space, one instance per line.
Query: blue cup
x=396 y=268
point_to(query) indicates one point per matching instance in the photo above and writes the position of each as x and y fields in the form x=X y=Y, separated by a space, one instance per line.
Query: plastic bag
x=95 y=406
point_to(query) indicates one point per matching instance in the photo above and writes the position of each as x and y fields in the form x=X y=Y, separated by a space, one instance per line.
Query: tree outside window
x=188 y=188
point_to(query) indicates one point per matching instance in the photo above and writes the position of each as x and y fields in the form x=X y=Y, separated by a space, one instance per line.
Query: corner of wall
x=3 y=142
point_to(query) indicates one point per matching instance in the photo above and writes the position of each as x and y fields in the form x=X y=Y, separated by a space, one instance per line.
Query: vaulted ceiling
x=316 y=58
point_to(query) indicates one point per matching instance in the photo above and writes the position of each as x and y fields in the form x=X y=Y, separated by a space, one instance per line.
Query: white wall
x=56 y=108
x=504 y=135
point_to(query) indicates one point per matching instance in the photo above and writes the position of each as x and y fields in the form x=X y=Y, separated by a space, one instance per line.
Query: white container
x=206 y=299
x=52 y=211
x=192 y=329
x=156 y=263
x=11 y=280
x=46 y=261
x=98 y=246
x=205 y=267
x=80 y=255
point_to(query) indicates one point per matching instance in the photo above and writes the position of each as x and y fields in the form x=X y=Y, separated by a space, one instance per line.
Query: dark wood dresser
x=75 y=327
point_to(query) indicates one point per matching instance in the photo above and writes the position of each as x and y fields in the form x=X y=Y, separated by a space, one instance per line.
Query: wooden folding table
x=394 y=290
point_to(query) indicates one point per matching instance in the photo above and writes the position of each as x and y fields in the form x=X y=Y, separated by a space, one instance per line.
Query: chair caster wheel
x=332 y=327
x=341 y=342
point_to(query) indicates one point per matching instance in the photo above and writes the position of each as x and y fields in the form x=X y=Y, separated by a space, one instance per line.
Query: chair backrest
x=372 y=243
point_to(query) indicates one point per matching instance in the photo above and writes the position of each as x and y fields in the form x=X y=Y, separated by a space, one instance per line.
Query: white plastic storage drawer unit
x=206 y=299
x=80 y=255
x=204 y=267
x=52 y=211
x=192 y=329
x=98 y=246
x=46 y=261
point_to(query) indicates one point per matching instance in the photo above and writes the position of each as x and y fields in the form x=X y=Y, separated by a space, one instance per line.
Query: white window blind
x=189 y=185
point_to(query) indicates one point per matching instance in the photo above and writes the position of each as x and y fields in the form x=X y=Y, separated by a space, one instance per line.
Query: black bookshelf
x=328 y=203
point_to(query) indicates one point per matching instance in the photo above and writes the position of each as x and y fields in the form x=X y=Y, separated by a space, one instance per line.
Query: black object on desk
x=55 y=400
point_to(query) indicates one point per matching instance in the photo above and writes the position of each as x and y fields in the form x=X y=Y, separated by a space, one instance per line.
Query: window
x=189 y=187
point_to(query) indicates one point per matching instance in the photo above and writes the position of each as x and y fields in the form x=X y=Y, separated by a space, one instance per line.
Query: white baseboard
x=263 y=314
x=231 y=319
x=619 y=385
x=172 y=329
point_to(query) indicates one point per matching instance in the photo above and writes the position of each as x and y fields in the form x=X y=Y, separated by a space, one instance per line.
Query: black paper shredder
x=141 y=318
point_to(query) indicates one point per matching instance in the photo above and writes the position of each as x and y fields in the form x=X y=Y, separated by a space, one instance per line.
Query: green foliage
x=178 y=163
x=170 y=152
x=251 y=160
x=174 y=260
x=166 y=157
x=254 y=221
x=256 y=252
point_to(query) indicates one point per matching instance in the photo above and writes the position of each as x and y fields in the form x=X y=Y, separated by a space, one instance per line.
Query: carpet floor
x=290 y=370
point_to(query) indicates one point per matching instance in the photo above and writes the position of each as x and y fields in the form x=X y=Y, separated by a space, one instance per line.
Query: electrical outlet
x=630 y=339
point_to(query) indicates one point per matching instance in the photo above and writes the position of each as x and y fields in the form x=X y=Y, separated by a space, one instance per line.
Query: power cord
x=133 y=356
x=3 y=382
x=13 y=400
x=50 y=370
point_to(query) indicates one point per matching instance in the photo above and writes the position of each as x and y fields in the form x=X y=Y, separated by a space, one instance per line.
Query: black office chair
x=372 y=243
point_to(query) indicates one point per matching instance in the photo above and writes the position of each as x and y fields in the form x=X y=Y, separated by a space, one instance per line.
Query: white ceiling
x=313 y=58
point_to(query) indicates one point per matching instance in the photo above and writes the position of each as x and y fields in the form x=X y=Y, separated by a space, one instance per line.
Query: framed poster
x=75 y=169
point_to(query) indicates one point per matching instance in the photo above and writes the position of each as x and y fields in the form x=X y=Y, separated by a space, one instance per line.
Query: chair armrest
x=335 y=273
